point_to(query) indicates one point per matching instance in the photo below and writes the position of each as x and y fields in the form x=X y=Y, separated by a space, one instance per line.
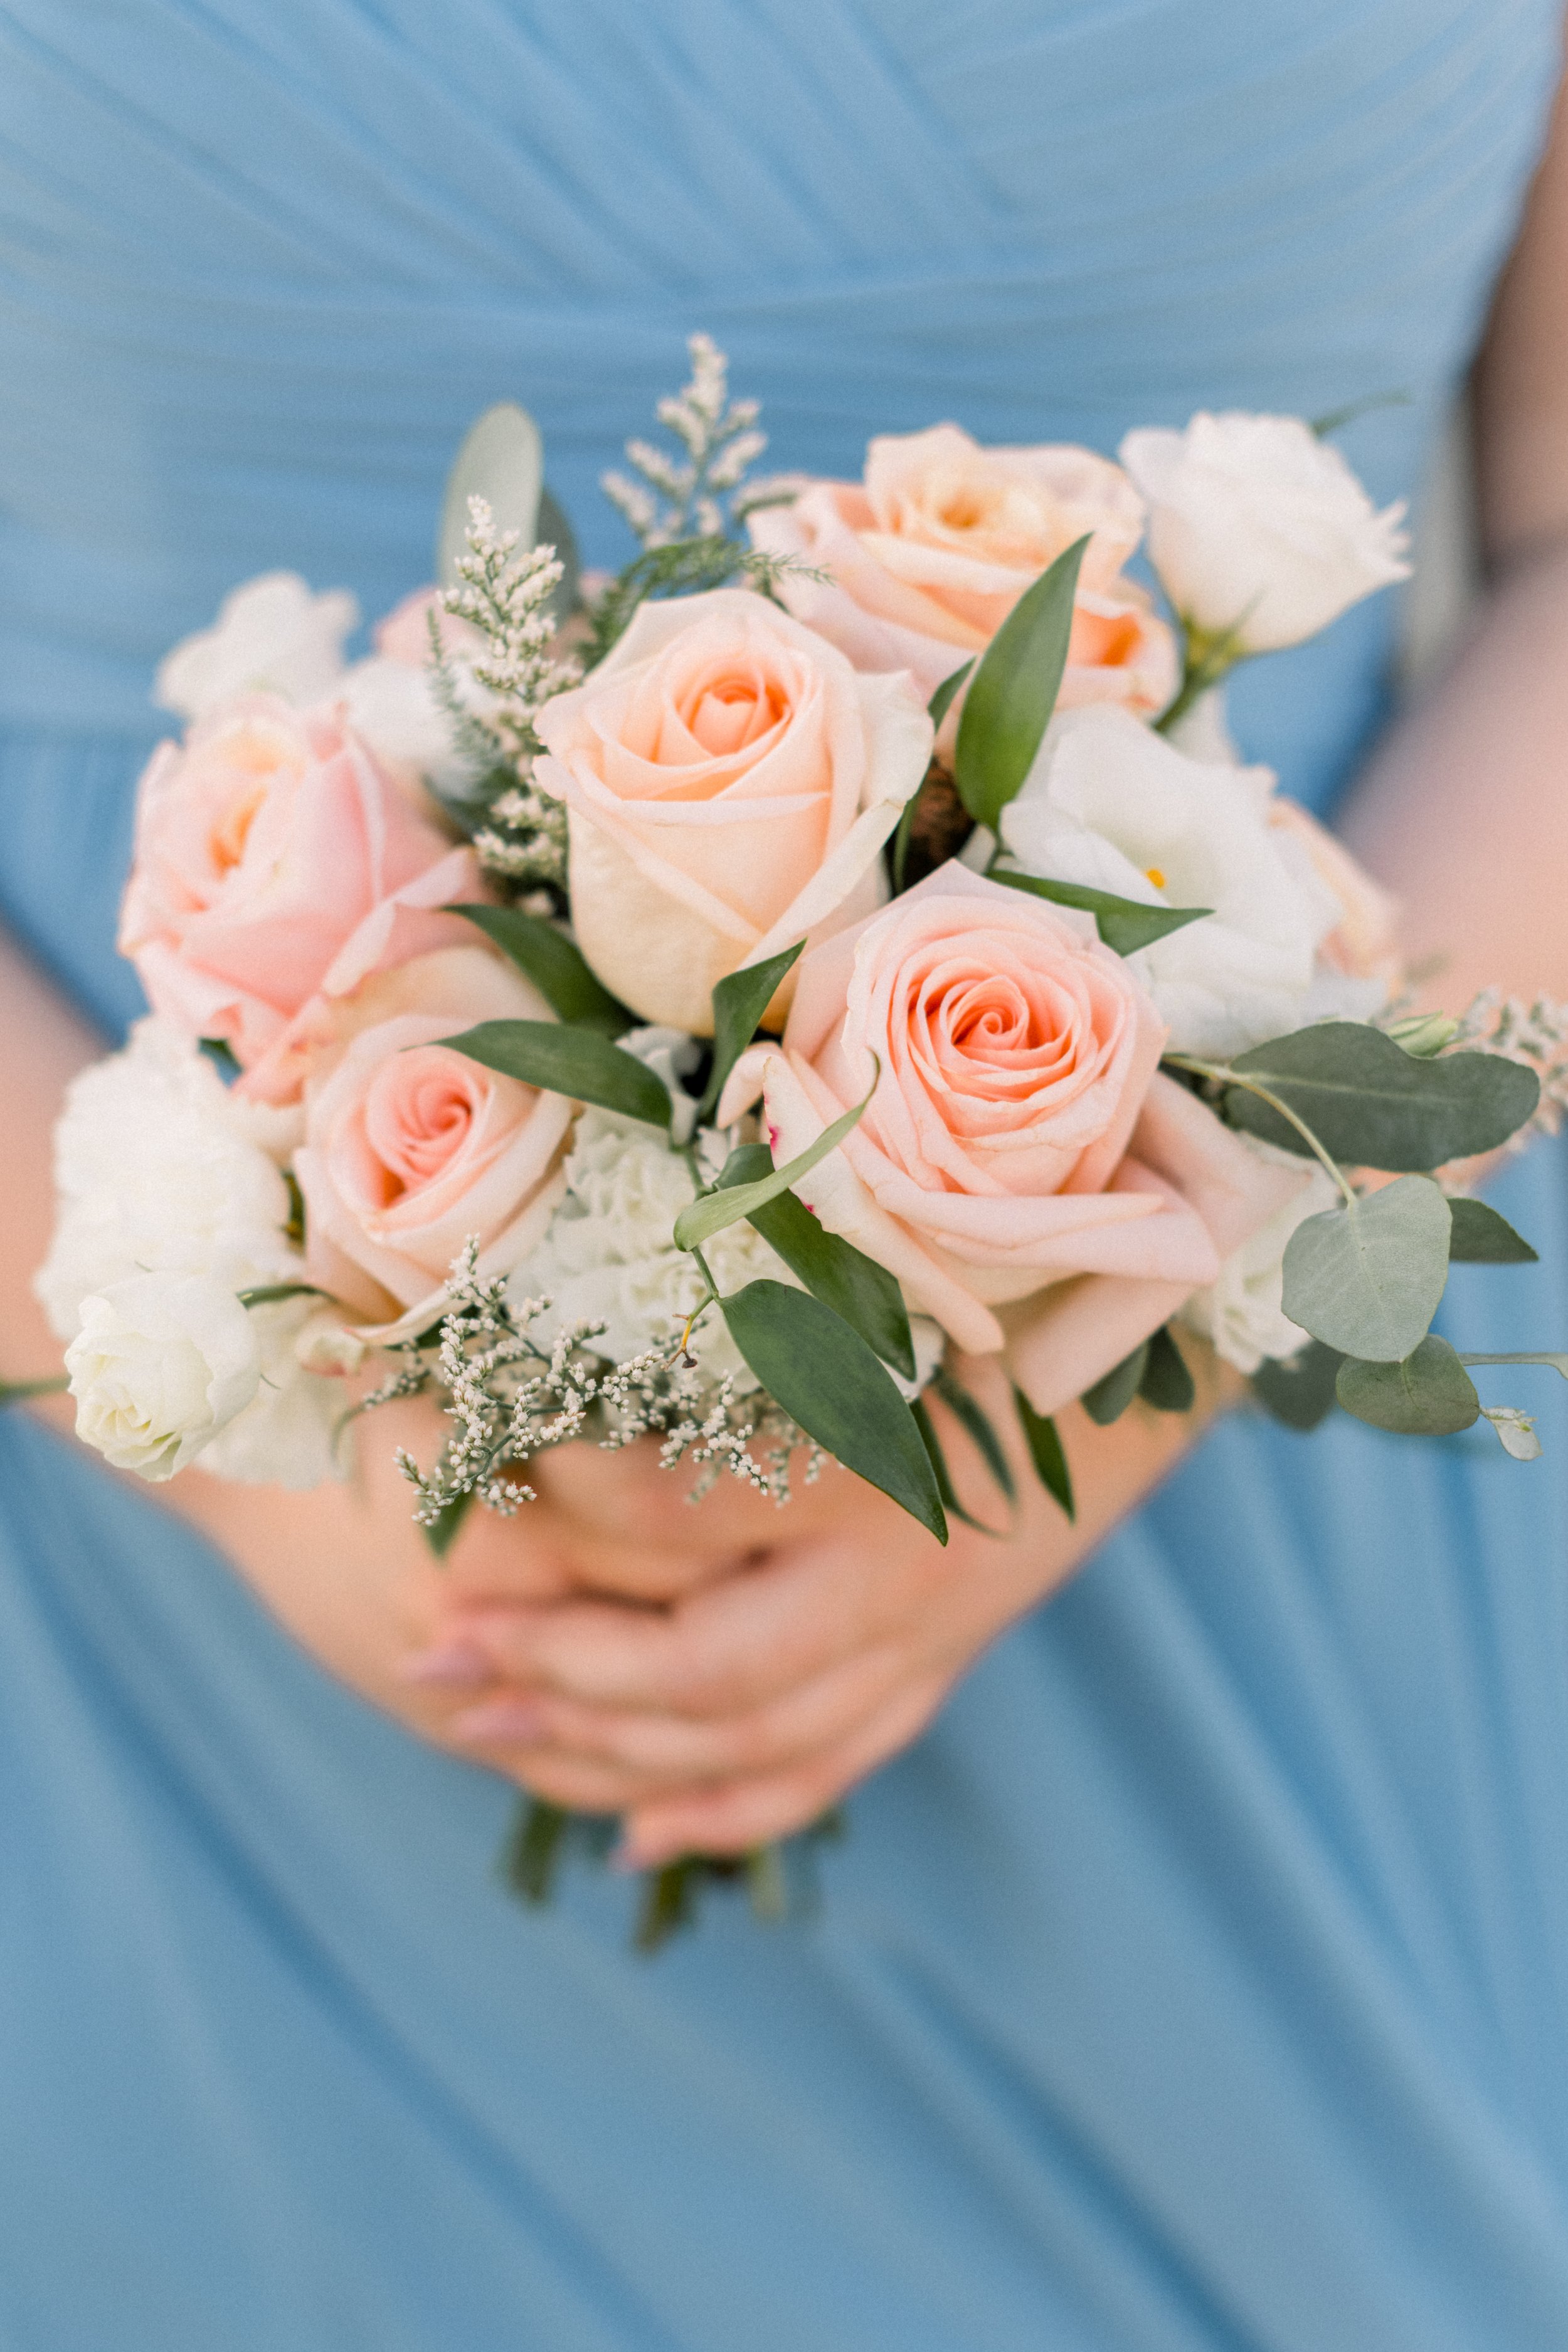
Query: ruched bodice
x=1199 y=1983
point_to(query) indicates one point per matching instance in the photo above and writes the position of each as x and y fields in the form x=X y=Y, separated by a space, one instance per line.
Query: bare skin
x=720 y=1676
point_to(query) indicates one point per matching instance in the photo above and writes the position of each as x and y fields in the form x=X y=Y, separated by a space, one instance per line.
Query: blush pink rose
x=277 y=864
x=729 y=781
x=1022 y=1169
x=929 y=554
x=410 y=1149
x=405 y=635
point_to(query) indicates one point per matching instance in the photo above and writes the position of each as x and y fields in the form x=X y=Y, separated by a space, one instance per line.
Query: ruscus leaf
x=1013 y=692
x=1111 y=1395
x=940 y=702
x=740 y=1001
x=974 y=1420
x=711 y=1212
x=1367 y=1278
x=1372 y=1105
x=832 y=1269
x=944 y=1485
x=825 y=1377
x=1429 y=1395
x=555 y=963
x=1046 y=1452
x=1482 y=1237
x=1125 y=924
x=566 y=1059
x=1166 y=1383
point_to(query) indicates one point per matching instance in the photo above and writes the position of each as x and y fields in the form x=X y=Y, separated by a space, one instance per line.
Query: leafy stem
x=1224 y=1075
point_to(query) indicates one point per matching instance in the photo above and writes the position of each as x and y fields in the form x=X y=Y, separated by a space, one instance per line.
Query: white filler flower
x=271 y=635
x=161 y=1364
x=1259 y=531
x=1109 y=805
x=1243 y=1312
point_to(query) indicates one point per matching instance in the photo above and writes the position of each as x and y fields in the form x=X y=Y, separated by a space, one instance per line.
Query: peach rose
x=931 y=554
x=1022 y=1169
x=730 y=780
x=277 y=864
x=411 y=1147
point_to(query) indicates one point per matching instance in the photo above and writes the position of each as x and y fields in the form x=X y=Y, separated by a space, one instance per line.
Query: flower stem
x=1224 y=1075
x=19 y=1391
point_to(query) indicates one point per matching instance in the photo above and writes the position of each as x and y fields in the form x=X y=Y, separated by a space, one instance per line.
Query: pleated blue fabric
x=1200 y=1982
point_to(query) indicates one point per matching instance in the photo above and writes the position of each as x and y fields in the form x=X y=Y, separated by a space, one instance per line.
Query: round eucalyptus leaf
x=1367 y=1278
x=501 y=459
x=1430 y=1395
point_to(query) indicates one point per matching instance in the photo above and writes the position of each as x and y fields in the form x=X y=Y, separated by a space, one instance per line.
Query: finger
x=674 y=1752
x=749 y=1812
x=625 y=1498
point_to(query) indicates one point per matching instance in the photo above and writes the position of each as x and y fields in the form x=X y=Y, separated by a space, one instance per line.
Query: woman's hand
x=720 y=1676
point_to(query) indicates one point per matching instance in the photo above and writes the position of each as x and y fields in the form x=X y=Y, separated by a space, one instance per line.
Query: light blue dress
x=1200 y=1982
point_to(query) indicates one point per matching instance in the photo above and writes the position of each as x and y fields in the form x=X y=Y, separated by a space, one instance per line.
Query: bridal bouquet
x=714 y=1001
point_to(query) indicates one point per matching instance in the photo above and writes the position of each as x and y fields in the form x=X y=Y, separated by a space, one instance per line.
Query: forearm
x=43 y=1044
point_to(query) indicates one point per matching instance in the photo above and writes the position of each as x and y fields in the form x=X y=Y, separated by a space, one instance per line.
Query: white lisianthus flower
x=1111 y=806
x=393 y=708
x=610 y=1255
x=158 y=1167
x=161 y=1364
x=1243 y=1313
x=1259 y=532
x=271 y=635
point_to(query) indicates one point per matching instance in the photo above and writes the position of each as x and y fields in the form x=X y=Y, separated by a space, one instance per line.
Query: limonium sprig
x=699 y=494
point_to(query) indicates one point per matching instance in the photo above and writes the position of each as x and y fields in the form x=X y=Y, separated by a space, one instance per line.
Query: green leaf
x=832 y=1269
x=740 y=1001
x=1429 y=1395
x=1367 y=1278
x=566 y=1059
x=1111 y=1395
x=1298 y=1390
x=944 y=1485
x=529 y=1859
x=441 y=1533
x=502 y=459
x=555 y=530
x=1125 y=924
x=976 y=1424
x=711 y=1212
x=1372 y=1105
x=22 y=1392
x=268 y=1294
x=555 y=963
x=1483 y=1238
x=825 y=1377
x=1015 y=690
x=940 y=702
x=1166 y=1383
x=1045 y=1453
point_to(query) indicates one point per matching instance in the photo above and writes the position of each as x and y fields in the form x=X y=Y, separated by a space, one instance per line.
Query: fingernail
x=452 y=1665
x=508 y=1719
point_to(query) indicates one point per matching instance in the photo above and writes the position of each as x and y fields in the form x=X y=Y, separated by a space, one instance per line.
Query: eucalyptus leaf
x=1111 y=1394
x=553 y=528
x=502 y=459
x=740 y=1001
x=1166 y=1383
x=555 y=963
x=1372 y=1105
x=567 y=1059
x=975 y=1423
x=1298 y=1390
x=1125 y=924
x=1367 y=1278
x=1429 y=1395
x=832 y=1269
x=711 y=1212
x=1482 y=1237
x=1046 y=1452
x=825 y=1377
x=1013 y=692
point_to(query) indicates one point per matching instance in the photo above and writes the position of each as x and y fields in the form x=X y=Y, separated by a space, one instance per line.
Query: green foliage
x=687 y=567
x=937 y=709
x=1372 y=1105
x=269 y=1294
x=740 y=1001
x=1111 y=1394
x=501 y=459
x=1013 y=692
x=943 y=1476
x=1045 y=1453
x=1367 y=1278
x=555 y=965
x=1429 y=1395
x=1125 y=924
x=976 y=1425
x=566 y=1059
x=1300 y=1390
x=825 y=1377
x=441 y=1532
x=1482 y=1237
x=532 y=1851
x=940 y=702
x=1166 y=1383
x=726 y=1205
x=24 y=1392
x=832 y=1269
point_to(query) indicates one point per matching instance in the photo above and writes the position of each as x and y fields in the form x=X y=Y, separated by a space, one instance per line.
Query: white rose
x=1257 y=527
x=271 y=635
x=1242 y=1313
x=291 y=1433
x=161 y=1364
x=1109 y=805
